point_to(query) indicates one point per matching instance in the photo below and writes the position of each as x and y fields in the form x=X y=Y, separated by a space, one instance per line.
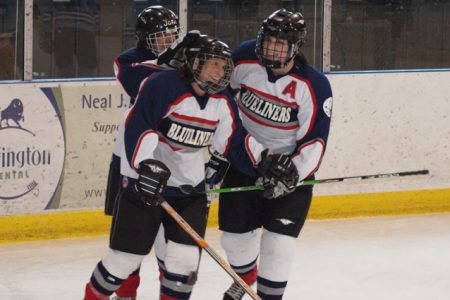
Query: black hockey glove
x=174 y=55
x=279 y=175
x=215 y=169
x=152 y=180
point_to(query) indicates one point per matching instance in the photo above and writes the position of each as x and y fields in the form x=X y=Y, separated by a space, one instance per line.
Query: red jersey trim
x=136 y=150
x=320 y=141
x=165 y=141
x=195 y=119
x=247 y=61
x=267 y=124
x=247 y=147
x=269 y=96
x=313 y=98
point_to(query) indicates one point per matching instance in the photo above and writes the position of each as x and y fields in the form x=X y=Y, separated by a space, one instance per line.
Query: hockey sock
x=161 y=268
x=102 y=282
x=270 y=290
x=241 y=248
x=247 y=272
x=90 y=293
x=175 y=287
x=276 y=256
x=129 y=287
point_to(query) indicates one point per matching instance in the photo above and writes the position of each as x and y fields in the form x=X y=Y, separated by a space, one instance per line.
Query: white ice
x=379 y=258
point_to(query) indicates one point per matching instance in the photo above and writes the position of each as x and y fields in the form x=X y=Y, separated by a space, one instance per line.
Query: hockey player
x=156 y=29
x=176 y=114
x=286 y=105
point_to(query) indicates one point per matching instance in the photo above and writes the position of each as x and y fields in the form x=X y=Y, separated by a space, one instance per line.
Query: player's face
x=164 y=40
x=213 y=70
x=275 y=49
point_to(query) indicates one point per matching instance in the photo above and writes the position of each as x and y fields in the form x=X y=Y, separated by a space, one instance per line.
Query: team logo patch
x=328 y=107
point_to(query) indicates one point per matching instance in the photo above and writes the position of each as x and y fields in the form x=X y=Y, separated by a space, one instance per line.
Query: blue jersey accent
x=322 y=91
x=133 y=66
x=245 y=51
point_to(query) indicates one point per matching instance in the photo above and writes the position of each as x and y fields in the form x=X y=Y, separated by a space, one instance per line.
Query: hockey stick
x=204 y=245
x=208 y=205
x=189 y=189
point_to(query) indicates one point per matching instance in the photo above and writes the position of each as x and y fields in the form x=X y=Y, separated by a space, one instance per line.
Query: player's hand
x=279 y=174
x=215 y=169
x=174 y=55
x=152 y=180
x=274 y=190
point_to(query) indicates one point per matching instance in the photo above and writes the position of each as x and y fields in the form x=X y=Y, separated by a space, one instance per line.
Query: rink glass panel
x=390 y=34
x=11 y=40
x=75 y=39
x=81 y=38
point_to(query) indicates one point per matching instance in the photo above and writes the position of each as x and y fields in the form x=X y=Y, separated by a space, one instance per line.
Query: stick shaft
x=319 y=181
x=374 y=176
x=204 y=245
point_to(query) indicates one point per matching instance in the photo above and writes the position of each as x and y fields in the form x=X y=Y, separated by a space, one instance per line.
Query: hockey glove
x=152 y=180
x=215 y=169
x=279 y=175
x=174 y=55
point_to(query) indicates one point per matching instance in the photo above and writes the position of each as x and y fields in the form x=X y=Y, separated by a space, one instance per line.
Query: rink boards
x=56 y=143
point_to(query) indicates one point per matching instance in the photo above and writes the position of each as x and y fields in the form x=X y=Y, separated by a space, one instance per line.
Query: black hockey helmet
x=283 y=25
x=157 y=28
x=198 y=52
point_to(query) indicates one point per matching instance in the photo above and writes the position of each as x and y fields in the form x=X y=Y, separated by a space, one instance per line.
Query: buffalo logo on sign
x=14 y=113
x=32 y=149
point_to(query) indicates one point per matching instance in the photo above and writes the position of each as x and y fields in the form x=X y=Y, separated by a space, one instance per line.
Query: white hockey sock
x=277 y=254
x=241 y=248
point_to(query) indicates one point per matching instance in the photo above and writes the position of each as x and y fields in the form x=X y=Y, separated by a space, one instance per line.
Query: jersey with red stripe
x=286 y=113
x=170 y=123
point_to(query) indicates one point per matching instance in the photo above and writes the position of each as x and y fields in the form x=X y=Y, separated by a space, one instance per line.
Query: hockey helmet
x=283 y=26
x=198 y=53
x=157 y=28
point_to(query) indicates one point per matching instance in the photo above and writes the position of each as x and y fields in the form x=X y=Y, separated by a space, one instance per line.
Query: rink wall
x=56 y=142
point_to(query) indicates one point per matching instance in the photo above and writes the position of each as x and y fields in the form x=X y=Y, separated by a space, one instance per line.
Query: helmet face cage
x=201 y=53
x=157 y=28
x=210 y=85
x=279 y=39
x=159 y=41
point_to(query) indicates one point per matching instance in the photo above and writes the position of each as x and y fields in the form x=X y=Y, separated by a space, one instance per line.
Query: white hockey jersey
x=170 y=123
x=289 y=113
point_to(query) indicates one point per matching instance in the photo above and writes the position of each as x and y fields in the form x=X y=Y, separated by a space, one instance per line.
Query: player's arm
x=141 y=137
x=130 y=73
x=312 y=135
x=232 y=143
